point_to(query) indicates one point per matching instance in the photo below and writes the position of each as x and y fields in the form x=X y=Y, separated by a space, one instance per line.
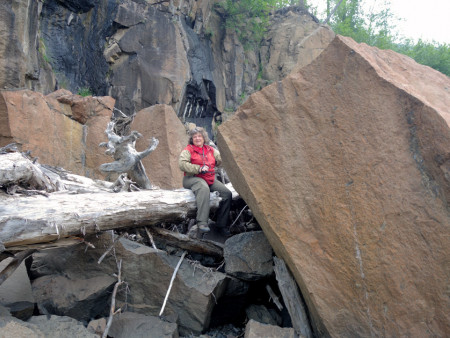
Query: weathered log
x=35 y=219
x=126 y=158
x=292 y=298
x=17 y=169
x=181 y=241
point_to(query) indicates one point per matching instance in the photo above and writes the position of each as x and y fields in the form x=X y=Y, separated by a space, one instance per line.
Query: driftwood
x=181 y=241
x=80 y=206
x=126 y=158
x=17 y=173
x=35 y=219
x=112 y=309
x=16 y=169
x=292 y=299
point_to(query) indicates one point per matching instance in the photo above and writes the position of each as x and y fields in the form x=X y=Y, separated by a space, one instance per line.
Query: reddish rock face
x=45 y=125
x=344 y=165
x=161 y=122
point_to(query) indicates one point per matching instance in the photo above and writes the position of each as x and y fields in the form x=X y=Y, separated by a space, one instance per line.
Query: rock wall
x=146 y=53
x=19 y=62
x=345 y=166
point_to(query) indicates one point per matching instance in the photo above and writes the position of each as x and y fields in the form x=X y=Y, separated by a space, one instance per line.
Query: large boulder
x=79 y=298
x=61 y=129
x=345 y=166
x=161 y=165
x=248 y=256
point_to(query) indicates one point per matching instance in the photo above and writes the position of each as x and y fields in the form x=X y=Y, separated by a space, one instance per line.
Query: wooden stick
x=112 y=311
x=274 y=297
x=171 y=282
x=151 y=238
x=238 y=216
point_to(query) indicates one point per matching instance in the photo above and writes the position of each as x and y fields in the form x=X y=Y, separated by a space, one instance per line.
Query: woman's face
x=198 y=140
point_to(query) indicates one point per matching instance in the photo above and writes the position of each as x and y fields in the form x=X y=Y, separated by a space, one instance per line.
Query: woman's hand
x=204 y=169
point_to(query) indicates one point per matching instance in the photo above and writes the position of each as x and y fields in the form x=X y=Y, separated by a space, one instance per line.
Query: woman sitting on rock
x=197 y=161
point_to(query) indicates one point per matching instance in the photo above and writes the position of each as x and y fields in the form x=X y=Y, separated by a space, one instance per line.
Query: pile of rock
x=71 y=289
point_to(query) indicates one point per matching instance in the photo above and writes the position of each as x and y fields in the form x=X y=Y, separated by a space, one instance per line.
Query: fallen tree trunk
x=184 y=242
x=36 y=219
x=17 y=169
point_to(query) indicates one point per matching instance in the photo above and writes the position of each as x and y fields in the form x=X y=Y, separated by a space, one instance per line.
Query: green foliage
x=433 y=54
x=378 y=28
x=249 y=18
x=84 y=91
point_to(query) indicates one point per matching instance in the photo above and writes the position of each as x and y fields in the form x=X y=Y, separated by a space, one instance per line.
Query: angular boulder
x=41 y=326
x=248 y=256
x=255 y=329
x=59 y=326
x=129 y=324
x=161 y=165
x=79 y=298
x=345 y=166
x=61 y=129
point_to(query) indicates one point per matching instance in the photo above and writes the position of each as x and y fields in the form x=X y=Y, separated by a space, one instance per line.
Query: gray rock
x=57 y=327
x=254 y=329
x=147 y=273
x=41 y=327
x=15 y=292
x=80 y=298
x=135 y=325
x=248 y=256
x=236 y=287
x=260 y=314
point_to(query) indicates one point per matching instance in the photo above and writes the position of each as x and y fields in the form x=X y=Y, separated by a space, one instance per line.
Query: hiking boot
x=193 y=231
x=203 y=228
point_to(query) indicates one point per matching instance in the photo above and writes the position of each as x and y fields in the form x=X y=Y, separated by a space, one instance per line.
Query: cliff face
x=144 y=53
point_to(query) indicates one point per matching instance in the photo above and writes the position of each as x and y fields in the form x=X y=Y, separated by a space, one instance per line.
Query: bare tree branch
x=332 y=12
x=171 y=282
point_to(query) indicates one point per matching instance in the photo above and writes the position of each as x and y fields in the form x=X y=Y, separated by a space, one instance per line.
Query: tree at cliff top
x=377 y=27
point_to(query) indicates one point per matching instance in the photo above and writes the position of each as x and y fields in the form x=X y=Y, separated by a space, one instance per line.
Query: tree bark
x=36 y=219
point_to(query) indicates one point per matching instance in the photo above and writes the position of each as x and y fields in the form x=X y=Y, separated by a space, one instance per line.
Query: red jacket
x=203 y=156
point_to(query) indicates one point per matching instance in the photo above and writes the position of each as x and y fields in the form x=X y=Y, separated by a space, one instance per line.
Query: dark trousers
x=201 y=191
